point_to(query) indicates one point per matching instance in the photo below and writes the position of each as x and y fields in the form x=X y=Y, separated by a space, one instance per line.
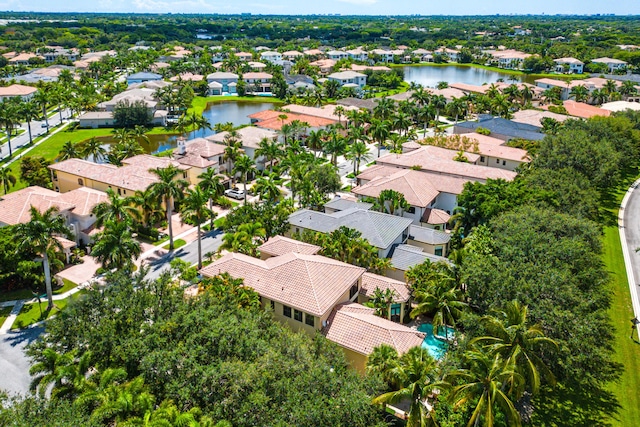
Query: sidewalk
x=18 y=157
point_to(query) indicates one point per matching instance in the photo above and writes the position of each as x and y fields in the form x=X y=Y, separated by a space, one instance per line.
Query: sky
x=344 y=7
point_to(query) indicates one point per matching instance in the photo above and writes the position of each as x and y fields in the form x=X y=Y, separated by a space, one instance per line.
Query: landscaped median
x=33 y=313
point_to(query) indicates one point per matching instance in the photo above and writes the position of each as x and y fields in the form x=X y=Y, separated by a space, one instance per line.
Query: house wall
x=428 y=248
x=394 y=273
x=362 y=299
x=96 y=123
x=497 y=162
x=416 y=216
x=357 y=361
x=446 y=202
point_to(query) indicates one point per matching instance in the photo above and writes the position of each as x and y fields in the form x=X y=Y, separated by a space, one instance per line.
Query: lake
x=429 y=76
x=236 y=112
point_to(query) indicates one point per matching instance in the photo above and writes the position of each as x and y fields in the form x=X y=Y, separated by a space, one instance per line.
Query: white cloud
x=183 y=6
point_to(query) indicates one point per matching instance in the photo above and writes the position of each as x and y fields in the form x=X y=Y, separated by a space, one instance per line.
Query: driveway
x=14 y=363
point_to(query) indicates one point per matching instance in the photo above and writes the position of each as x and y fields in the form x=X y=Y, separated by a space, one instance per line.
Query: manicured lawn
x=30 y=313
x=16 y=295
x=4 y=313
x=178 y=243
x=199 y=103
x=68 y=285
x=218 y=222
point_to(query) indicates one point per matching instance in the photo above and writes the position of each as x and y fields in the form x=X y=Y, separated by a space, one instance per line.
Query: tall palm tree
x=9 y=118
x=243 y=167
x=401 y=122
x=380 y=131
x=170 y=190
x=267 y=188
x=415 y=377
x=29 y=111
x=442 y=300
x=41 y=98
x=7 y=179
x=194 y=210
x=148 y=204
x=268 y=148
x=211 y=184
x=439 y=102
x=485 y=382
x=246 y=239
x=599 y=96
x=115 y=246
x=39 y=235
x=116 y=208
x=335 y=145
x=92 y=147
x=514 y=340
x=580 y=93
x=69 y=150
x=383 y=360
x=358 y=152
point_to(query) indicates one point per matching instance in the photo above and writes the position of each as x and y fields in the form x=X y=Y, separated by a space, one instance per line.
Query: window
x=498 y=161
x=286 y=311
x=273 y=305
x=436 y=227
x=55 y=175
x=184 y=175
x=395 y=312
x=353 y=291
x=504 y=163
x=310 y=320
x=297 y=315
x=482 y=159
x=80 y=182
x=438 y=250
x=119 y=192
x=411 y=210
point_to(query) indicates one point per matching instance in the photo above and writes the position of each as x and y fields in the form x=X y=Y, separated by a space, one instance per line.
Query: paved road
x=14 y=364
x=36 y=130
x=211 y=241
x=632 y=236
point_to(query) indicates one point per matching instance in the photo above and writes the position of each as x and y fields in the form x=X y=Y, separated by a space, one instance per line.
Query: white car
x=234 y=193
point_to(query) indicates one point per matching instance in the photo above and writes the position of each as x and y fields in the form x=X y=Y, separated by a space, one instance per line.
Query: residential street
x=14 y=364
x=211 y=241
x=631 y=234
x=37 y=129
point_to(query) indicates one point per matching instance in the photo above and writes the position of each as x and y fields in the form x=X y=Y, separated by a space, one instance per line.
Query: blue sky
x=345 y=7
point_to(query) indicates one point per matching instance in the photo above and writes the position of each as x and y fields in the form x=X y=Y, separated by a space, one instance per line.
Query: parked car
x=43 y=125
x=234 y=193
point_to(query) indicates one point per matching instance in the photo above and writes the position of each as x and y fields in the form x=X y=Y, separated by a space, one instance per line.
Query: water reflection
x=429 y=76
x=236 y=112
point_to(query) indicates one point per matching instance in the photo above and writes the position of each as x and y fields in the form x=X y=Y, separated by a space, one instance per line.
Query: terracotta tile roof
x=534 y=117
x=250 y=136
x=325 y=112
x=187 y=77
x=270 y=119
x=17 y=90
x=279 y=245
x=585 y=111
x=425 y=159
x=83 y=199
x=200 y=153
x=435 y=216
x=15 y=207
x=372 y=281
x=66 y=243
x=419 y=188
x=355 y=327
x=259 y=75
x=311 y=283
x=132 y=175
x=488 y=146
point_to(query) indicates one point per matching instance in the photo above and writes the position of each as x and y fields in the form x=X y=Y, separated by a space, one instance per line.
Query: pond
x=429 y=76
x=236 y=112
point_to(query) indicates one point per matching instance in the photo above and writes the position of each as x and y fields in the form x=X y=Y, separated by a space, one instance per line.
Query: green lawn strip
x=68 y=285
x=16 y=295
x=218 y=222
x=30 y=313
x=4 y=313
x=199 y=103
x=627 y=351
x=178 y=243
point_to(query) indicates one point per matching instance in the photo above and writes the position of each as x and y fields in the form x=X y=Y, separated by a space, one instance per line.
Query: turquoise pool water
x=435 y=346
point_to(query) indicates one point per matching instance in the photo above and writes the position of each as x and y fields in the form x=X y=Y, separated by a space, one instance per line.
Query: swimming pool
x=435 y=346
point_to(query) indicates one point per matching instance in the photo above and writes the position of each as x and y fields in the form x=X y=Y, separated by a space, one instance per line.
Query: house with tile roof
x=17 y=91
x=306 y=292
x=570 y=65
x=258 y=82
x=381 y=230
x=200 y=155
x=611 y=63
x=349 y=79
x=274 y=120
x=584 y=111
x=500 y=128
x=407 y=256
x=250 y=137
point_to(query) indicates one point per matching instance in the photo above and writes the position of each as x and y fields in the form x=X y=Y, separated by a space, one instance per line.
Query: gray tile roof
x=341 y=204
x=428 y=235
x=504 y=127
x=406 y=256
x=378 y=228
x=144 y=76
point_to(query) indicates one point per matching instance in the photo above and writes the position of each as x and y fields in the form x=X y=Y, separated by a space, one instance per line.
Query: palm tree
x=415 y=377
x=390 y=201
x=610 y=88
x=315 y=140
x=7 y=179
x=385 y=108
x=438 y=102
x=211 y=184
x=335 y=145
x=50 y=369
x=599 y=96
x=442 y=300
x=580 y=93
x=116 y=208
x=245 y=240
x=383 y=360
x=380 y=131
x=515 y=341
x=115 y=246
x=358 y=152
x=69 y=151
x=39 y=235
x=194 y=210
x=29 y=110
x=9 y=118
x=170 y=190
x=93 y=148
x=244 y=166
x=267 y=188
x=41 y=98
x=401 y=122
x=484 y=382
x=148 y=204
x=268 y=148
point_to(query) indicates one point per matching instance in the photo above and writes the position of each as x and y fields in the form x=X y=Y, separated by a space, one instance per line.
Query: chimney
x=182 y=148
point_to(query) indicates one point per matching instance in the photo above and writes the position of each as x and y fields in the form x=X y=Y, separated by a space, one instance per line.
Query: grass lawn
x=68 y=285
x=178 y=243
x=218 y=222
x=199 y=103
x=30 y=313
x=4 y=313
x=16 y=295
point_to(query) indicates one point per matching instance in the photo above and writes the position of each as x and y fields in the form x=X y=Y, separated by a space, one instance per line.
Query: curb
x=626 y=254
